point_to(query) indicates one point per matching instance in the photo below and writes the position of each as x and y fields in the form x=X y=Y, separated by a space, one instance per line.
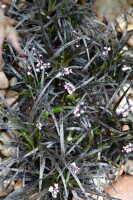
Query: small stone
x=13 y=81
x=3 y=92
x=11 y=96
x=4 y=83
x=5 y=138
x=3 y=6
x=116 y=99
x=131 y=95
x=18 y=185
x=101 y=181
x=9 y=184
x=131 y=100
x=7 y=152
x=121 y=26
x=122 y=188
x=3 y=193
x=130 y=42
x=120 y=172
x=128 y=167
x=130 y=26
x=12 y=93
x=14 y=132
x=125 y=128
x=22 y=4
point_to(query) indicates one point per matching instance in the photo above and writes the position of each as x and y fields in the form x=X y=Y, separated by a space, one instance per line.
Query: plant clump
x=65 y=107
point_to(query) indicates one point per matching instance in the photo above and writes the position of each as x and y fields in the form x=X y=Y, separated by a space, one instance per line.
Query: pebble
x=128 y=167
x=125 y=128
x=3 y=193
x=122 y=188
x=130 y=42
x=122 y=26
x=3 y=92
x=13 y=81
x=7 y=152
x=100 y=182
x=116 y=99
x=11 y=96
x=18 y=185
x=4 y=83
x=10 y=185
x=5 y=138
x=130 y=100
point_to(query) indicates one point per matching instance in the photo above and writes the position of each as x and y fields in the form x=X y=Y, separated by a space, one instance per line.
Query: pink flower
x=54 y=190
x=69 y=87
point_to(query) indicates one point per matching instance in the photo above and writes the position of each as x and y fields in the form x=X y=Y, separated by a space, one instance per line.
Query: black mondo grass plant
x=68 y=135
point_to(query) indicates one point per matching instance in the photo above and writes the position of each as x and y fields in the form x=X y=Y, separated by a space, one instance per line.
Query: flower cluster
x=125 y=68
x=54 y=190
x=126 y=110
x=74 y=168
x=80 y=109
x=63 y=72
x=105 y=52
x=76 y=36
x=39 y=60
x=69 y=87
x=128 y=148
x=39 y=125
x=29 y=71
